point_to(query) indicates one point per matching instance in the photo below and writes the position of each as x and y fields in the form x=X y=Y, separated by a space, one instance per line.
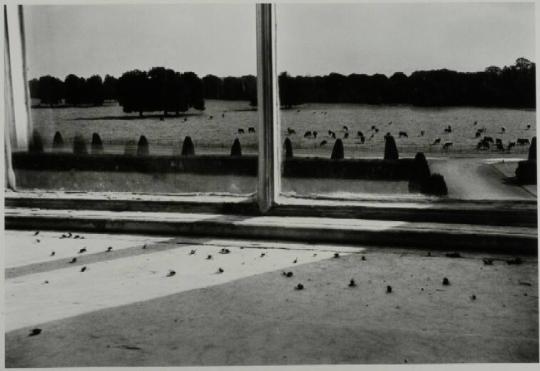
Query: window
x=140 y=98
x=306 y=110
x=373 y=108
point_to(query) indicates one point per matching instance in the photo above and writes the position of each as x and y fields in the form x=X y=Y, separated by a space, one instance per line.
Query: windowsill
x=486 y=212
x=291 y=228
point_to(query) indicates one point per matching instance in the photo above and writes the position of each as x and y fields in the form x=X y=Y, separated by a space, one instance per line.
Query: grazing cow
x=290 y=131
x=436 y=141
x=475 y=123
x=346 y=135
x=503 y=130
x=447 y=145
x=511 y=145
x=359 y=134
x=499 y=146
x=488 y=139
x=241 y=131
x=376 y=130
x=403 y=134
x=483 y=144
x=307 y=134
x=528 y=127
x=185 y=119
x=323 y=143
x=498 y=141
x=422 y=132
x=210 y=117
x=448 y=129
x=251 y=130
x=315 y=134
x=523 y=141
x=373 y=127
x=363 y=139
x=223 y=114
x=478 y=134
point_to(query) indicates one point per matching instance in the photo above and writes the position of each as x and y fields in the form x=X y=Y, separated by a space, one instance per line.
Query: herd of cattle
x=484 y=143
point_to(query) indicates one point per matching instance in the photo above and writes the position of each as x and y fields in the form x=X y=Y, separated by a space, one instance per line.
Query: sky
x=312 y=39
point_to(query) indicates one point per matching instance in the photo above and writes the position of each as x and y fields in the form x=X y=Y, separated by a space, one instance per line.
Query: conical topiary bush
x=236 y=149
x=338 y=153
x=419 y=172
x=532 y=150
x=97 y=145
x=58 y=142
x=288 y=148
x=143 y=148
x=390 y=148
x=188 y=148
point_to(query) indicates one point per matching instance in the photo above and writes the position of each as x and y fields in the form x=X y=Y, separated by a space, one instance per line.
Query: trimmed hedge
x=526 y=172
x=434 y=185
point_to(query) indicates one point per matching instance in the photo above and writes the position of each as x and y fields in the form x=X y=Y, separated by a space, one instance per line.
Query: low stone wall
x=200 y=164
x=375 y=169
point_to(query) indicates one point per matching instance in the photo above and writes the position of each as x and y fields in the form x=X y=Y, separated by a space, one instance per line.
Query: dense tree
x=288 y=91
x=133 y=91
x=110 y=85
x=194 y=90
x=160 y=89
x=93 y=91
x=74 y=89
x=213 y=87
x=511 y=86
x=51 y=90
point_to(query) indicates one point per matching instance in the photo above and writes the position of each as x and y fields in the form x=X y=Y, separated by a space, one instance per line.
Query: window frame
x=267 y=199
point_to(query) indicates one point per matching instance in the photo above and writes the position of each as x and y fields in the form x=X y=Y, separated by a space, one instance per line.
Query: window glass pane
x=409 y=101
x=141 y=98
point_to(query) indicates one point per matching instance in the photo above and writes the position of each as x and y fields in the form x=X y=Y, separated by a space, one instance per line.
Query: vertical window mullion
x=269 y=164
x=20 y=123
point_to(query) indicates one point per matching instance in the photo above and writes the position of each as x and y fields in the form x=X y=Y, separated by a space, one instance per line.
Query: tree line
x=510 y=86
x=73 y=90
x=162 y=89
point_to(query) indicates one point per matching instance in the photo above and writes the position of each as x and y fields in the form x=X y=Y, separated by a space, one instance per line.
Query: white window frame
x=268 y=200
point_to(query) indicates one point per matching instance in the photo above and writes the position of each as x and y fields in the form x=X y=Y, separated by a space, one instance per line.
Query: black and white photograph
x=233 y=183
